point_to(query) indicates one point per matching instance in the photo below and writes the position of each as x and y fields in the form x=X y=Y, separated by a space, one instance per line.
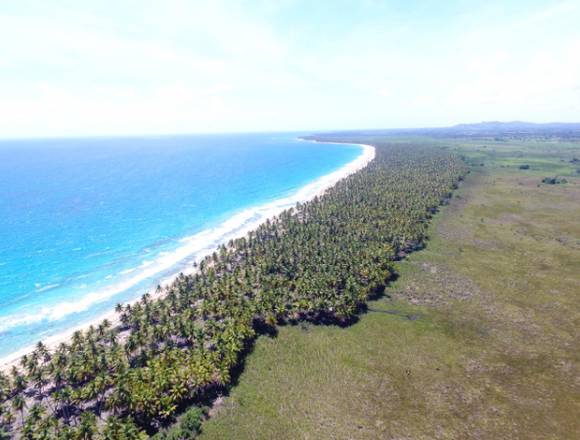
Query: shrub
x=191 y=421
x=553 y=180
x=187 y=428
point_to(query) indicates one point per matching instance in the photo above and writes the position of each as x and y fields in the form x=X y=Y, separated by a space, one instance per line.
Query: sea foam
x=193 y=248
x=113 y=266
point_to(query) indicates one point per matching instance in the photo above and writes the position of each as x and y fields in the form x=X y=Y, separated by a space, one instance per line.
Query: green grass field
x=477 y=339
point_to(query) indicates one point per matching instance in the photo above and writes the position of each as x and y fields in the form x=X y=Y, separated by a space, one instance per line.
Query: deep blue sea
x=87 y=223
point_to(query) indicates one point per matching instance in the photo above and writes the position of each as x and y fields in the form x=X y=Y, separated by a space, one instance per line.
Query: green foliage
x=191 y=421
x=117 y=429
x=498 y=309
x=187 y=428
x=320 y=262
x=554 y=180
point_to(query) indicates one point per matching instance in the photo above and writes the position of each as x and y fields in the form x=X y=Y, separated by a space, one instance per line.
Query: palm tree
x=63 y=398
x=6 y=425
x=18 y=380
x=4 y=386
x=318 y=261
x=100 y=384
x=87 y=428
x=39 y=380
x=33 y=418
x=42 y=352
x=18 y=404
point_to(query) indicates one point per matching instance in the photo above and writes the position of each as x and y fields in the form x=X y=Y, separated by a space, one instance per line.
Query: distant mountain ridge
x=517 y=126
x=479 y=129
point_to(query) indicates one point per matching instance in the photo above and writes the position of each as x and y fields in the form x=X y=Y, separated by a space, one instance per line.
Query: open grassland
x=478 y=337
x=172 y=353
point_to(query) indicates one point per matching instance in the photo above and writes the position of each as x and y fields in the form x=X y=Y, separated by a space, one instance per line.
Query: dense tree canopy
x=319 y=261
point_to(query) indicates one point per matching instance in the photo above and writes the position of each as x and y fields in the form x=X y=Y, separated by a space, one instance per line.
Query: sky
x=79 y=67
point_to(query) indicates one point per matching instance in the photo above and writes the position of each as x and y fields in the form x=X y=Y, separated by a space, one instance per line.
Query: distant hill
x=516 y=127
x=481 y=129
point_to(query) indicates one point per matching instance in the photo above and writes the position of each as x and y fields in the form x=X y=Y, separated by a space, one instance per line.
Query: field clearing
x=478 y=338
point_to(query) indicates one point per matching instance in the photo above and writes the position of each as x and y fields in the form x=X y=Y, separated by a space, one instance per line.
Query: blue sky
x=105 y=67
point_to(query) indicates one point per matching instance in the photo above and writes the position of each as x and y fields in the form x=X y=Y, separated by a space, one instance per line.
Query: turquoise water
x=88 y=223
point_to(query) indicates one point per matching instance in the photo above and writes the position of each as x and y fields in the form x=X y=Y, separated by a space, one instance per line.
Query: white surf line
x=198 y=245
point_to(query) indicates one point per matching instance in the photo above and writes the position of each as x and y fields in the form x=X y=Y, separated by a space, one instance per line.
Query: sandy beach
x=202 y=244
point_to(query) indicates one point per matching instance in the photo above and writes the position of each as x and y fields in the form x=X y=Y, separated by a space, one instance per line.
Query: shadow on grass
x=207 y=397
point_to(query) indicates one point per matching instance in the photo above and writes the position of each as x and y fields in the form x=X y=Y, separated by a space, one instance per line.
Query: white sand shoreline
x=308 y=192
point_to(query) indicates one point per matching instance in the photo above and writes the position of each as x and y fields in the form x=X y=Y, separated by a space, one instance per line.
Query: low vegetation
x=553 y=180
x=318 y=263
x=477 y=338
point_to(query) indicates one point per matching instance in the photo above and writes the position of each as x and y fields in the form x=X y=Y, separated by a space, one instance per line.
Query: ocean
x=88 y=223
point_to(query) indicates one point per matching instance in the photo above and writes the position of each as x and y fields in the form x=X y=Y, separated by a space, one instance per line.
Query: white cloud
x=180 y=66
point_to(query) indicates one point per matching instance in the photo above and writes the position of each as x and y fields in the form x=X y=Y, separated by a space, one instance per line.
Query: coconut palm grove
x=172 y=353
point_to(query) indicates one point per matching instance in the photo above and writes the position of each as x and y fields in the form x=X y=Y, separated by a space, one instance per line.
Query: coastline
x=237 y=226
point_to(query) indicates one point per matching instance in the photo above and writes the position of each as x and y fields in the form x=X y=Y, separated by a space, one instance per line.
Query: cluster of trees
x=319 y=261
x=554 y=180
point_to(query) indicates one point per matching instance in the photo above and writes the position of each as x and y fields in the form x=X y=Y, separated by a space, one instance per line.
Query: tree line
x=319 y=261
